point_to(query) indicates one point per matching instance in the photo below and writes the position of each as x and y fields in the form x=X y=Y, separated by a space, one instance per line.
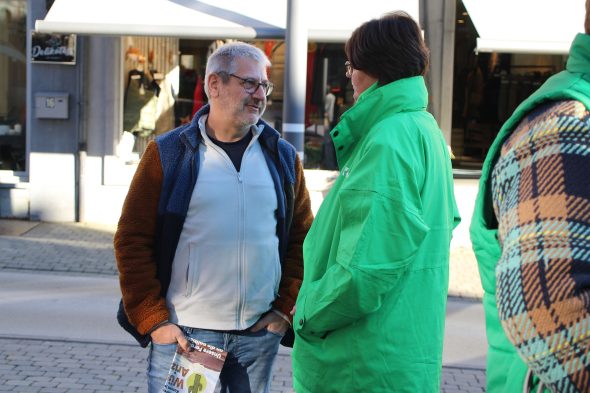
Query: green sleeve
x=379 y=238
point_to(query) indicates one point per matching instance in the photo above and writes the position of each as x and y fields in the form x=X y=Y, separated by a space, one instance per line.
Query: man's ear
x=213 y=84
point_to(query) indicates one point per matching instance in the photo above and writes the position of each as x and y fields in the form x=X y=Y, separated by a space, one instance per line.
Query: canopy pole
x=295 y=76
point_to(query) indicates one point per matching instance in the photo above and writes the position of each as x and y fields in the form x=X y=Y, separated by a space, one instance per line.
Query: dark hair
x=388 y=48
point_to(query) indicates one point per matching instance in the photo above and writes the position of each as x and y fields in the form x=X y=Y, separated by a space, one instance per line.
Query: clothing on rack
x=199 y=97
x=141 y=95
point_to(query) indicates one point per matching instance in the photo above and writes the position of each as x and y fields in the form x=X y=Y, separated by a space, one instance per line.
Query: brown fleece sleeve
x=293 y=267
x=135 y=245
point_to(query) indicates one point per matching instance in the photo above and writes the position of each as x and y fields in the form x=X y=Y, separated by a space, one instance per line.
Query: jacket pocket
x=191 y=270
x=263 y=277
x=278 y=274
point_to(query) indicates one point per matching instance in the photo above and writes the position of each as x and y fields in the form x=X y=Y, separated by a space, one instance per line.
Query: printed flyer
x=196 y=371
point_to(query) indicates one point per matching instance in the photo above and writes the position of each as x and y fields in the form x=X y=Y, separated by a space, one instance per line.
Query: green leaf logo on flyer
x=196 y=383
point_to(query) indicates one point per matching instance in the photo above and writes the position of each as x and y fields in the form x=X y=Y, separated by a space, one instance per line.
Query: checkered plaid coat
x=531 y=234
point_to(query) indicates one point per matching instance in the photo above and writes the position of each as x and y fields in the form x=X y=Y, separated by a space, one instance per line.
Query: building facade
x=81 y=96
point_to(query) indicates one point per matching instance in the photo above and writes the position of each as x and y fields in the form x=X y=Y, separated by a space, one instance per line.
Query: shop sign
x=53 y=48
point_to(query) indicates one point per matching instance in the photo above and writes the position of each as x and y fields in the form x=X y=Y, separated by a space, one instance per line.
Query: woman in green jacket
x=371 y=310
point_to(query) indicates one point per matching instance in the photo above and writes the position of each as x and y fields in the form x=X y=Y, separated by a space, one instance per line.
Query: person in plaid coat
x=531 y=235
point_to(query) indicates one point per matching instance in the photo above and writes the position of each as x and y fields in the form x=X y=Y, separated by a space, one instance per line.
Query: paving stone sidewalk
x=53 y=366
x=83 y=248
x=64 y=247
x=47 y=366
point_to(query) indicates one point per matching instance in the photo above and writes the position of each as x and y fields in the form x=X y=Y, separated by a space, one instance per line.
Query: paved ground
x=36 y=363
x=88 y=249
x=61 y=366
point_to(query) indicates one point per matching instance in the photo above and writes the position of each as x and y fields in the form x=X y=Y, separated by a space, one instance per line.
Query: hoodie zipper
x=241 y=251
x=241 y=280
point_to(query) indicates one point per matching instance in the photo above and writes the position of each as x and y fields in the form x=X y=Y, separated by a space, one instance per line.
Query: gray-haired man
x=209 y=240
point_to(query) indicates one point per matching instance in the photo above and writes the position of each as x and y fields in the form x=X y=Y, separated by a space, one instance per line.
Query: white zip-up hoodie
x=226 y=270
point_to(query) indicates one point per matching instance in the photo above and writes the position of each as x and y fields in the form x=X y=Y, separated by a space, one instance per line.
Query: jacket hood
x=580 y=55
x=373 y=105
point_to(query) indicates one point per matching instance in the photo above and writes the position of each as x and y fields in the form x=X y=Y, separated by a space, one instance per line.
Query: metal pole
x=324 y=86
x=295 y=76
x=438 y=21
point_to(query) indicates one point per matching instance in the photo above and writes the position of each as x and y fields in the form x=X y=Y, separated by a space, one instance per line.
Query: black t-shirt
x=235 y=150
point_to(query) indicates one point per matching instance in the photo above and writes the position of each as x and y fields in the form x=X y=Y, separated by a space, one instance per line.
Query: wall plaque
x=53 y=48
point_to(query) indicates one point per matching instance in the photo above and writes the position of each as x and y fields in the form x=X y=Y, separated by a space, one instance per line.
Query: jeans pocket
x=159 y=361
x=275 y=333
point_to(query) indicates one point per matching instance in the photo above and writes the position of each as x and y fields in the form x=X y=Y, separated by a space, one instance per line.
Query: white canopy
x=327 y=20
x=526 y=26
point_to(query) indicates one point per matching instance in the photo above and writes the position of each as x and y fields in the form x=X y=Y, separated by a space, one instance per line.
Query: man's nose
x=259 y=93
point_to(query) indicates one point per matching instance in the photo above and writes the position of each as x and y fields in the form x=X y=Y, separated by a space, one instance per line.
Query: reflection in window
x=12 y=84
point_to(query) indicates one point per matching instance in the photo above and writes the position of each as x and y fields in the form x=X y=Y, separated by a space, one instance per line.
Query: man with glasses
x=209 y=240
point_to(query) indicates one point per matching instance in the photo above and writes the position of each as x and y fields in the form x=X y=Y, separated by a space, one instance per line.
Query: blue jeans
x=247 y=368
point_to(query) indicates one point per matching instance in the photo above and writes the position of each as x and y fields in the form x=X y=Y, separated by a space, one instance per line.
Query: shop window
x=150 y=81
x=185 y=76
x=329 y=94
x=487 y=89
x=13 y=85
x=326 y=82
x=191 y=79
x=323 y=59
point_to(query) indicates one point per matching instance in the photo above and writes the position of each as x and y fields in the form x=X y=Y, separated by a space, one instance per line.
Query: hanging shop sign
x=53 y=48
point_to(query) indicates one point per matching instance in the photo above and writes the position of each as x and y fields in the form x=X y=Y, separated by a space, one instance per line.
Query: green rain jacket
x=505 y=370
x=371 y=310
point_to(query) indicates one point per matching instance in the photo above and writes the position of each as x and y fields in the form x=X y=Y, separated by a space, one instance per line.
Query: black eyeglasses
x=348 y=67
x=252 y=85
